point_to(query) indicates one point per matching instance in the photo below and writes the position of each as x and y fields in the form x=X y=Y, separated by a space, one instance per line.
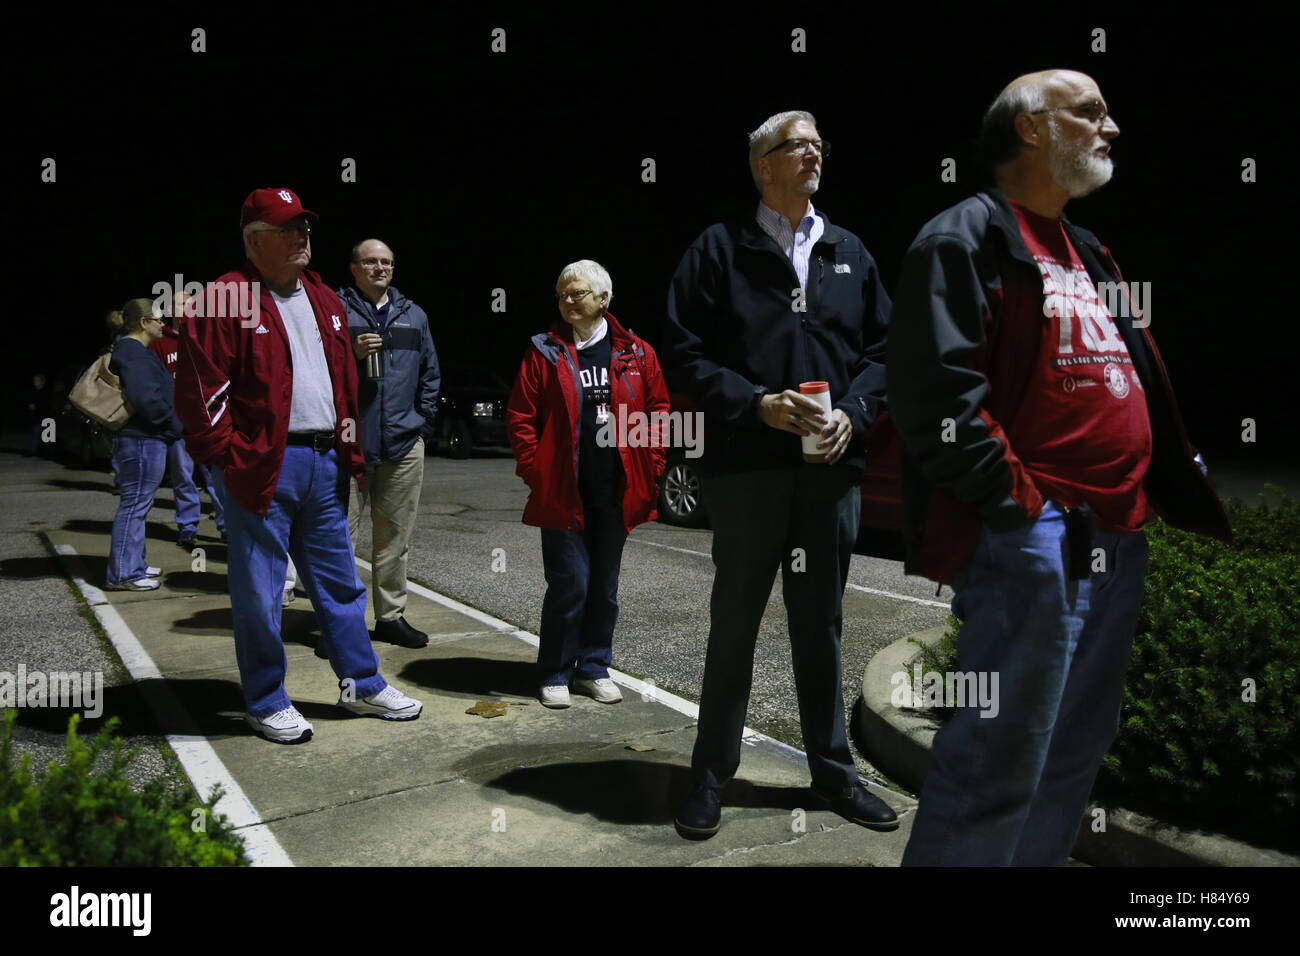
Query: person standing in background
x=180 y=466
x=141 y=452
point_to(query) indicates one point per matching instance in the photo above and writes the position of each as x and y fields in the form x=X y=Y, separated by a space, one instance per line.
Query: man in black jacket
x=397 y=410
x=757 y=307
x=1039 y=433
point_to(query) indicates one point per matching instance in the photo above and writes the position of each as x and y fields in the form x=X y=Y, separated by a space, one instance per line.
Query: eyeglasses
x=576 y=296
x=290 y=230
x=1094 y=111
x=372 y=261
x=799 y=147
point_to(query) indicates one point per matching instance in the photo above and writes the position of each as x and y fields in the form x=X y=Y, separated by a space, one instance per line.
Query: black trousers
x=803 y=519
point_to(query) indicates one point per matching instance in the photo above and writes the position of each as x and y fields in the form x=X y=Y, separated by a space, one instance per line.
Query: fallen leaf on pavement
x=488 y=708
x=639 y=748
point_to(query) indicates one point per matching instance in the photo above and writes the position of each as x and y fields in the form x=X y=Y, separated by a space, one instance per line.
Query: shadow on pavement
x=642 y=789
x=473 y=677
x=152 y=529
x=297 y=625
x=208 y=619
x=72 y=485
x=31 y=568
x=203 y=699
x=207 y=582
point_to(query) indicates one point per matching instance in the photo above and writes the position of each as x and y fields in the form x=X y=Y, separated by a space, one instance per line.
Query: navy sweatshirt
x=148 y=386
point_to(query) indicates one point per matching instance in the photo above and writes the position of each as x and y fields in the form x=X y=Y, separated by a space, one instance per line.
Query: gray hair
x=256 y=225
x=768 y=135
x=998 y=140
x=590 y=272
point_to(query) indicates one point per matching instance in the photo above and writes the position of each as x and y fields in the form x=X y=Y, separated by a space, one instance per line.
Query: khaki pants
x=392 y=499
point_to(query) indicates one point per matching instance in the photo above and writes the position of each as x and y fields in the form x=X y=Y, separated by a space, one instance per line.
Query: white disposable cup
x=819 y=392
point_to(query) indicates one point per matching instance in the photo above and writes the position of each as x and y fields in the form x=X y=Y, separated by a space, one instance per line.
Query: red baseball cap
x=273 y=206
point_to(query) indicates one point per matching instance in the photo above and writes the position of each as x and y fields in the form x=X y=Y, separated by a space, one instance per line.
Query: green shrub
x=1214 y=617
x=84 y=812
x=942 y=657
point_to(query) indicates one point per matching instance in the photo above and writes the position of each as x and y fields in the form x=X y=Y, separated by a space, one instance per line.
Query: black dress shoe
x=401 y=633
x=700 y=815
x=187 y=543
x=858 y=806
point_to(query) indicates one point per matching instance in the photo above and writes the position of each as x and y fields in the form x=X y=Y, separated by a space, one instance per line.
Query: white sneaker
x=602 y=689
x=283 y=727
x=152 y=572
x=555 y=695
x=141 y=584
x=390 y=704
x=287 y=597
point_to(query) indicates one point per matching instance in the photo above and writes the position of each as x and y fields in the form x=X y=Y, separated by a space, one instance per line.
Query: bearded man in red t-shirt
x=1040 y=433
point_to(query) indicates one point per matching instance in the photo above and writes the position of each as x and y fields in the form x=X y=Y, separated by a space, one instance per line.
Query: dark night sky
x=488 y=170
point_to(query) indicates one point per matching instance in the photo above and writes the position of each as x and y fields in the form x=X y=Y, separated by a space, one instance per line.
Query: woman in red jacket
x=588 y=425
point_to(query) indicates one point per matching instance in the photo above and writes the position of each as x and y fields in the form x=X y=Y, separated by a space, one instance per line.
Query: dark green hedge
x=84 y=812
x=1214 y=617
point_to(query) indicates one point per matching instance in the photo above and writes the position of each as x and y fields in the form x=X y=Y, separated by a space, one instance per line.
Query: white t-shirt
x=312 y=409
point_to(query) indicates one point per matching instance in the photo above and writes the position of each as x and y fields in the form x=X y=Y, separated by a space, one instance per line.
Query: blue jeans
x=581 y=604
x=307 y=518
x=139 y=464
x=1012 y=789
x=183 y=472
x=181 y=467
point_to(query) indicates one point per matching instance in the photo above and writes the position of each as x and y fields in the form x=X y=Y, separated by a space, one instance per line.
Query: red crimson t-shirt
x=1083 y=432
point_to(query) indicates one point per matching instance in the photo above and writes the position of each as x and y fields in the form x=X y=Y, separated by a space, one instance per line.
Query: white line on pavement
x=856 y=587
x=647 y=689
x=195 y=753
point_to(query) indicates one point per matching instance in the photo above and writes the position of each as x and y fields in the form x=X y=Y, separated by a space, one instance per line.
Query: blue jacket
x=396 y=411
x=148 y=386
x=732 y=335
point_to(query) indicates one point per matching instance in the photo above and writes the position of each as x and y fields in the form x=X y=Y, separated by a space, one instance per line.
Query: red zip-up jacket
x=544 y=422
x=234 y=384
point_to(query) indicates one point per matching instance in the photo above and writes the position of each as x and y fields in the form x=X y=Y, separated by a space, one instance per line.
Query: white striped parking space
x=857 y=587
x=195 y=753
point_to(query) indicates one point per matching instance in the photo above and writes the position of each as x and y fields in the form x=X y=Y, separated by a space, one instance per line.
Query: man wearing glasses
x=398 y=409
x=1039 y=433
x=267 y=390
x=758 y=306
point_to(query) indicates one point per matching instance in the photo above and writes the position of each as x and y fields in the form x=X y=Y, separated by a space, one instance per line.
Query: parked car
x=880 y=529
x=471 y=411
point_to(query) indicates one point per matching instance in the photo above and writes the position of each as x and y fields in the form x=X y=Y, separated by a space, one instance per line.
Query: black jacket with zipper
x=961 y=356
x=734 y=332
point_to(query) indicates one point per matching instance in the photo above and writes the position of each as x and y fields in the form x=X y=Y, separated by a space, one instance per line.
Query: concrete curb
x=898 y=742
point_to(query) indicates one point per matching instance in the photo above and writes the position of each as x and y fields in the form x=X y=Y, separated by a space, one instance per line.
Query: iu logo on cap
x=285 y=195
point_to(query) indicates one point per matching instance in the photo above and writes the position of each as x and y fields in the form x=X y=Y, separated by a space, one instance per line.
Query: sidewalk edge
x=196 y=754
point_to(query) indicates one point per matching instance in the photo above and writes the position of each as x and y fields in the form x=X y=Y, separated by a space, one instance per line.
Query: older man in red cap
x=266 y=388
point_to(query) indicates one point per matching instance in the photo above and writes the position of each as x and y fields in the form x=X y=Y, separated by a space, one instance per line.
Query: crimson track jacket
x=234 y=383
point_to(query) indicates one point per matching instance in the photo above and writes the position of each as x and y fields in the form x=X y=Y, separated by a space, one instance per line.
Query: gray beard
x=1077 y=169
